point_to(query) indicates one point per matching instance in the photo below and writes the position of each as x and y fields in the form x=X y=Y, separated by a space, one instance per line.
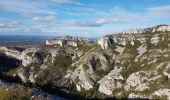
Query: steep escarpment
x=129 y=64
x=142 y=59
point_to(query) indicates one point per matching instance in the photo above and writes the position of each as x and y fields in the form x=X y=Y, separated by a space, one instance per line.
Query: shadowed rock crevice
x=8 y=63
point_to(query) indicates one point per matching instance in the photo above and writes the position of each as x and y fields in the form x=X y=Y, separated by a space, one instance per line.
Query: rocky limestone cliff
x=23 y=56
x=105 y=42
x=132 y=34
x=66 y=41
x=133 y=64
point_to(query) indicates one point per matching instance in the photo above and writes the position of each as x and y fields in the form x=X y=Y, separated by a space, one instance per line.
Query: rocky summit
x=126 y=65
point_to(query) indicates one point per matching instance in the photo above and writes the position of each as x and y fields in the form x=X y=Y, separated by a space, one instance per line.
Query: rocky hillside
x=129 y=64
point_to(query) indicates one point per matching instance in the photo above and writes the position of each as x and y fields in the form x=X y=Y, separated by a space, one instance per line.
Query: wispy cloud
x=85 y=16
x=4 y=23
x=95 y=23
x=44 y=19
x=29 y=6
x=67 y=2
x=163 y=11
x=60 y=1
x=114 y=16
x=27 y=14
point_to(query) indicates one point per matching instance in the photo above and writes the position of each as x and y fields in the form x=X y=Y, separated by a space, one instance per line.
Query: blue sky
x=88 y=18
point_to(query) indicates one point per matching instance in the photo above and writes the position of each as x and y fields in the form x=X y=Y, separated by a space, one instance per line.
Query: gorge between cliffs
x=133 y=64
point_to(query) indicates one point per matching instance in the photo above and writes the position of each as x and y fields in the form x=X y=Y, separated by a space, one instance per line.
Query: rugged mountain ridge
x=130 y=64
x=131 y=35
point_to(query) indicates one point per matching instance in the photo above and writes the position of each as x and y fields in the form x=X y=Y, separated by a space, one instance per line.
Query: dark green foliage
x=17 y=48
x=85 y=66
x=132 y=49
x=95 y=63
x=40 y=55
x=130 y=66
x=55 y=71
x=113 y=46
x=164 y=43
x=63 y=61
x=85 y=47
x=72 y=68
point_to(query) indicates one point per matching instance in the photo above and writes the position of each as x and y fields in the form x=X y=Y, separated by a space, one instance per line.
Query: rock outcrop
x=66 y=41
x=131 y=35
x=111 y=82
x=84 y=79
x=105 y=42
x=23 y=56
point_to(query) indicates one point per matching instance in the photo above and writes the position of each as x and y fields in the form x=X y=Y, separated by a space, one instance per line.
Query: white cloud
x=44 y=19
x=60 y=1
x=115 y=16
x=66 y=2
x=27 y=14
x=7 y=25
x=85 y=16
x=95 y=23
x=29 y=6
x=4 y=23
x=163 y=11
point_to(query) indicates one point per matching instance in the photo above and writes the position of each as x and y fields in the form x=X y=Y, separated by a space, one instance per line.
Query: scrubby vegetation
x=55 y=71
x=11 y=94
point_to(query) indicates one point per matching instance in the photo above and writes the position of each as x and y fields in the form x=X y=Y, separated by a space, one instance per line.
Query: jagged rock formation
x=66 y=41
x=131 y=64
x=104 y=42
x=131 y=34
x=23 y=56
x=109 y=83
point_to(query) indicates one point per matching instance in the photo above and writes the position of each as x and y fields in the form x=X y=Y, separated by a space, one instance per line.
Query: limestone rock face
x=32 y=77
x=26 y=58
x=103 y=61
x=23 y=56
x=14 y=53
x=66 y=41
x=163 y=92
x=135 y=31
x=162 y=28
x=130 y=35
x=166 y=72
x=119 y=40
x=136 y=80
x=155 y=39
x=27 y=76
x=22 y=75
x=84 y=79
x=133 y=95
x=104 y=42
x=119 y=49
x=44 y=65
x=86 y=69
x=141 y=50
x=111 y=82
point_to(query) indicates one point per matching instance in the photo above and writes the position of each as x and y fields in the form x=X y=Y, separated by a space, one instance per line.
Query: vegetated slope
x=132 y=64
